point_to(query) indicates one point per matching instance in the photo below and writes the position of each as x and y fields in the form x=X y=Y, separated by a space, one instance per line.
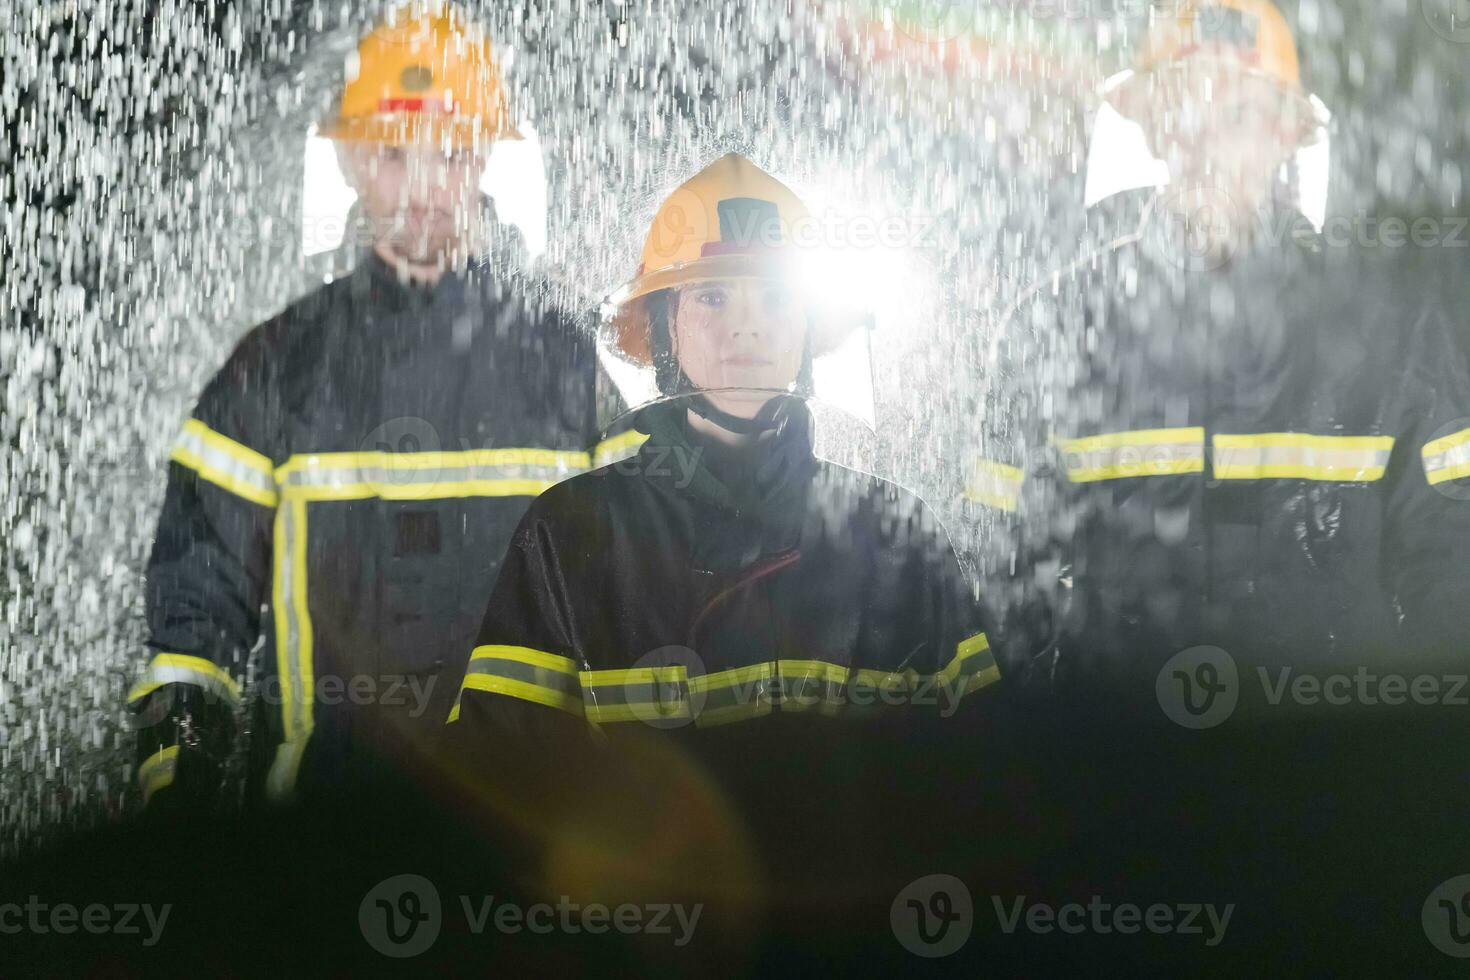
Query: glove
x=184 y=740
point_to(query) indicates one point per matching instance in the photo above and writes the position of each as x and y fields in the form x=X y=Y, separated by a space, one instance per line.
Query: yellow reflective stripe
x=423 y=491
x=964 y=650
x=995 y=485
x=225 y=463
x=1300 y=455
x=617 y=447
x=634 y=675
x=1138 y=453
x=525 y=655
x=521 y=672
x=280 y=781
x=568 y=460
x=735 y=675
x=158 y=771
x=429 y=475
x=293 y=646
x=518 y=689
x=179 y=668
x=1447 y=458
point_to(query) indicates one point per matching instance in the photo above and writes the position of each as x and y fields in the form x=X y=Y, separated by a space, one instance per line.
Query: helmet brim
x=403 y=130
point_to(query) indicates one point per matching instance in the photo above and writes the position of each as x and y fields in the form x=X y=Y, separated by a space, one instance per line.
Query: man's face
x=1221 y=128
x=420 y=200
x=743 y=334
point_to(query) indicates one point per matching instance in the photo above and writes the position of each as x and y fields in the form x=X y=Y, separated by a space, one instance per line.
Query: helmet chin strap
x=764 y=421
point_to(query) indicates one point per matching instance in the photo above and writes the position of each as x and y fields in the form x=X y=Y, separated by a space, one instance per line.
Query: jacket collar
x=762 y=480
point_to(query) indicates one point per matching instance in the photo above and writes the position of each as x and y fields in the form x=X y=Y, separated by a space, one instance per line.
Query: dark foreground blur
x=1322 y=839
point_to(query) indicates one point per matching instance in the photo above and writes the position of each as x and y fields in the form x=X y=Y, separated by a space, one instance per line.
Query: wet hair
x=669 y=376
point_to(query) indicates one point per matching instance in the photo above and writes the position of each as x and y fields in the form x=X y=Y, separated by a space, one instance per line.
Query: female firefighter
x=726 y=585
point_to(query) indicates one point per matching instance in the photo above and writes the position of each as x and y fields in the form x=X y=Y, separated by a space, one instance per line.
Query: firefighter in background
x=346 y=484
x=1224 y=429
x=727 y=589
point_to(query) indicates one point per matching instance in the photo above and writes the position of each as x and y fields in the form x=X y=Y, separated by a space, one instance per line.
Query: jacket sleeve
x=1427 y=536
x=522 y=676
x=968 y=642
x=1008 y=496
x=207 y=581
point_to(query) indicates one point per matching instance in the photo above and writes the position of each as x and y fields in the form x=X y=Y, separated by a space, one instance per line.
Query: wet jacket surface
x=1264 y=453
x=777 y=631
x=342 y=495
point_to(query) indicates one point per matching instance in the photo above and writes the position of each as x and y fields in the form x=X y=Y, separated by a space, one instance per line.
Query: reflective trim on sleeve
x=226 y=463
x=294 y=640
x=428 y=476
x=651 y=694
x=972 y=668
x=158 y=771
x=180 y=668
x=735 y=695
x=1447 y=458
x=1140 y=453
x=617 y=447
x=521 y=672
x=1299 y=455
x=995 y=485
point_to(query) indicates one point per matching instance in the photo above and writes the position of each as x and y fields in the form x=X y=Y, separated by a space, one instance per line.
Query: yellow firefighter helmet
x=1251 y=36
x=429 y=80
x=732 y=220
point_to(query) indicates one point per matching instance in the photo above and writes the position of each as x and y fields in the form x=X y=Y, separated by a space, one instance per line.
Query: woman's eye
x=711 y=297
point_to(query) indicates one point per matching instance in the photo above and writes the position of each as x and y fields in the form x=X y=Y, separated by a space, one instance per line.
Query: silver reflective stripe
x=1296 y=455
x=226 y=463
x=292 y=647
x=1132 y=454
x=554 y=680
x=293 y=689
x=170 y=668
x=1447 y=458
x=339 y=476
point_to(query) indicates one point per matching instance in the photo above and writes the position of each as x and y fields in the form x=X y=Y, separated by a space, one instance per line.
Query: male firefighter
x=1232 y=432
x=347 y=482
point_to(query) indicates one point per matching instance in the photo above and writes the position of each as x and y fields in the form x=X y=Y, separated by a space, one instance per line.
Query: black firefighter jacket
x=692 y=624
x=341 y=498
x=1265 y=452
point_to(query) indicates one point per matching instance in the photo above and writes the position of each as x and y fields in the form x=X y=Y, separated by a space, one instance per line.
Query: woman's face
x=741 y=334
